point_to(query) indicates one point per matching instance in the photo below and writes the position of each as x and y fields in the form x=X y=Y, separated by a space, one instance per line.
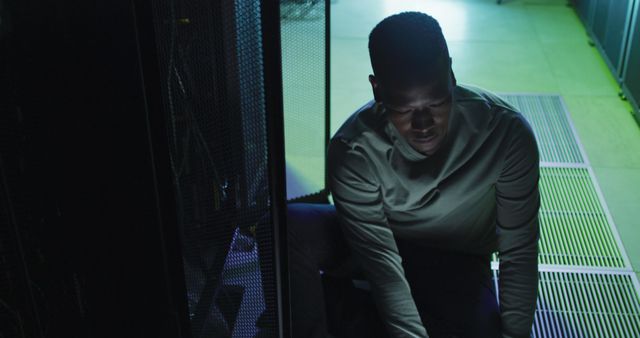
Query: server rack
x=631 y=76
x=608 y=24
x=142 y=165
x=613 y=27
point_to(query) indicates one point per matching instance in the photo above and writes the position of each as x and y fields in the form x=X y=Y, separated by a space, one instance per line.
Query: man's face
x=420 y=112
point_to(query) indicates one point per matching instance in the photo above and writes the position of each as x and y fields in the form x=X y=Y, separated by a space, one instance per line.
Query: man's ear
x=375 y=87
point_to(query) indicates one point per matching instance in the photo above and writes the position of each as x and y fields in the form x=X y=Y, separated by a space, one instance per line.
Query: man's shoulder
x=513 y=122
x=467 y=93
x=483 y=107
x=361 y=125
x=361 y=135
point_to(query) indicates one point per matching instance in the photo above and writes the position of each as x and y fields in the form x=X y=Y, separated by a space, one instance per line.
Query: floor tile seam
x=598 y=96
x=603 y=66
x=585 y=40
x=535 y=29
x=549 y=63
x=596 y=186
x=607 y=212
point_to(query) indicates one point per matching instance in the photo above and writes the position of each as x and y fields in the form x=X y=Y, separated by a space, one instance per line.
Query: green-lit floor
x=537 y=47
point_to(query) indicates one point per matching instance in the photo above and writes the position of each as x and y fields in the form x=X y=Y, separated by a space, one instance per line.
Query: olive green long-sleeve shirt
x=477 y=194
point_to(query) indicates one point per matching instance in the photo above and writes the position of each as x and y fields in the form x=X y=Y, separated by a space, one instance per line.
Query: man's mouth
x=425 y=139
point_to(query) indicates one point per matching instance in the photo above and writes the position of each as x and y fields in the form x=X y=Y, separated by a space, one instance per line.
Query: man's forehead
x=414 y=93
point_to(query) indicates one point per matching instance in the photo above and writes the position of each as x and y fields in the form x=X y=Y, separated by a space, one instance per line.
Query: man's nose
x=422 y=119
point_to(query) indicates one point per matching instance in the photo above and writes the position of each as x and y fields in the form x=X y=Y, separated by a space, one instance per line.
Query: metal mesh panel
x=580 y=304
x=575 y=229
x=212 y=65
x=587 y=305
x=550 y=123
x=303 y=35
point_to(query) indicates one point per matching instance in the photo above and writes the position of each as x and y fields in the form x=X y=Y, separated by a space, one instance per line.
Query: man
x=428 y=179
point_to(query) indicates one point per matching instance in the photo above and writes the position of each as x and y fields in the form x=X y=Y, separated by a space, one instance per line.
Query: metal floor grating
x=587 y=287
x=580 y=304
x=575 y=229
x=550 y=121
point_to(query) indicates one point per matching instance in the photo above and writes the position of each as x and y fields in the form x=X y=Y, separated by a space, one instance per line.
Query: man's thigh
x=315 y=230
x=454 y=293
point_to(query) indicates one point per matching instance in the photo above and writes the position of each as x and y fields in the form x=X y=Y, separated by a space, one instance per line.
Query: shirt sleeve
x=518 y=202
x=358 y=202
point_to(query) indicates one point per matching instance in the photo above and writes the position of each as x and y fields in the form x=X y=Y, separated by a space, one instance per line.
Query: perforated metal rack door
x=215 y=96
x=304 y=26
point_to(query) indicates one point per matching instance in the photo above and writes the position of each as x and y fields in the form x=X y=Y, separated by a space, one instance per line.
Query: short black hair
x=407 y=47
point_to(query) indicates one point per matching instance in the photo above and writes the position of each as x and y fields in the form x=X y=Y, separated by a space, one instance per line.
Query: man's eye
x=441 y=103
x=399 y=112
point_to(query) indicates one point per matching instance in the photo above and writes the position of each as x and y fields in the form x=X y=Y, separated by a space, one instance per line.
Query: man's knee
x=306 y=221
x=314 y=229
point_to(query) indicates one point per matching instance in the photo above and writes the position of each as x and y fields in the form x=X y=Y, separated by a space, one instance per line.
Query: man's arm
x=358 y=202
x=518 y=202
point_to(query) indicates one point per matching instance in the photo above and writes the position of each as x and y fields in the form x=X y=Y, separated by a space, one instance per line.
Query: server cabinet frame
x=272 y=74
x=635 y=23
x=615 y=66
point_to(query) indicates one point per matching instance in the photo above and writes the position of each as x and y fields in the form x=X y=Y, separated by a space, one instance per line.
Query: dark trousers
x=454 y=292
